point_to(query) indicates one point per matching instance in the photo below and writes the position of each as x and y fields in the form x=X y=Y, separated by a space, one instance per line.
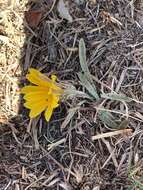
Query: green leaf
x=82 y=57
x=108 y=119
x=70 y=92
x=86 y=78
x=123 y=124
x=118 y=97
x=89 y=87
x=83 y=62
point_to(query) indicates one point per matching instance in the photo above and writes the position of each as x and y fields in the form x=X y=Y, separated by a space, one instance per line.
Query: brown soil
x=32 y=156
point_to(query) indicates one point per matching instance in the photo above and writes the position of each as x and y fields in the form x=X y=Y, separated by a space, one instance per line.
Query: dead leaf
x=63 y=11
x=33 y=17
x=93 y=1
x=24 y=173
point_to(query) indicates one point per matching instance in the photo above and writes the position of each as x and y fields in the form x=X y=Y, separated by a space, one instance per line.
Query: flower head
x=44 y=95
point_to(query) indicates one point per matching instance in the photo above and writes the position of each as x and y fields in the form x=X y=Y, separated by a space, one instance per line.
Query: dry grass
x=12 y=38
x=78 y=149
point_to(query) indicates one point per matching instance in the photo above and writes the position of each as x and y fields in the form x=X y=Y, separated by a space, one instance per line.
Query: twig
x=96 y=137
x=110 y=134
x=112 y=155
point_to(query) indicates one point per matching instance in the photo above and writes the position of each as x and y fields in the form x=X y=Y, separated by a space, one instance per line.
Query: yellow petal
x=36 y=96
x=53 y=101
x=29 y=88
x=44 y=96
x=48 y=113
x=34 y=105
x=37 y=78
x=36 y=109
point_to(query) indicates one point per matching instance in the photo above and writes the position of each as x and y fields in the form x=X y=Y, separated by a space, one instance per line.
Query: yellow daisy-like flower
x=44 y=95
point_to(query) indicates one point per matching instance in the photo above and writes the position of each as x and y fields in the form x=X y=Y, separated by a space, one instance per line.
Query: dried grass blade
x=111 y=134
x=68 y=118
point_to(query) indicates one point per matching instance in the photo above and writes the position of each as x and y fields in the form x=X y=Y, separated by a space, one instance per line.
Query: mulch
x=31 y=154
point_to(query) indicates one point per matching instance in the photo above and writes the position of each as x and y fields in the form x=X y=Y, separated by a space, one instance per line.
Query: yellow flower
x=44 y=95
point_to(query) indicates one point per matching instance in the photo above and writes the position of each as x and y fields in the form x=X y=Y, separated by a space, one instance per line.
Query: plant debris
x=94 y=138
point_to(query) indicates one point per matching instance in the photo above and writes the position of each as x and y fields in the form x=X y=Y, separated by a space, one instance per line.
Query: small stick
x=52 y=145
x=96 y=137
x=110 y=134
